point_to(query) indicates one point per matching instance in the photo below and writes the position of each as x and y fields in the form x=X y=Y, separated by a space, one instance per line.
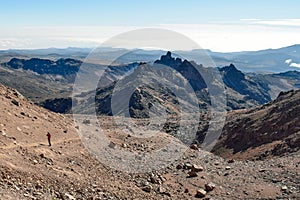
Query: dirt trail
x=38 y=144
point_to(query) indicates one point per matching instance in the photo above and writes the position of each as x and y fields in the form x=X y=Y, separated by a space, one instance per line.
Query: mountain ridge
x=261 y=61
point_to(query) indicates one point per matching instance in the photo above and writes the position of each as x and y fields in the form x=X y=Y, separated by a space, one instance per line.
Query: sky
x=223 y=26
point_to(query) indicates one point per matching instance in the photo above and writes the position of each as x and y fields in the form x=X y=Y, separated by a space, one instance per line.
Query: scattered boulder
x=262 y=170
x=163 y=191
x=147 y=188
x=2 y=132
x=112 y=145
x=179 y=166
x=210 y=187
x=192 y=174
x=226 y=174
x=284 y=188
x=197 y=168
x=15 y=102
x=188 y=166
x=200 y=193
x=86 y=121
x=155 y=180
x=70 y=196
x=194 y=147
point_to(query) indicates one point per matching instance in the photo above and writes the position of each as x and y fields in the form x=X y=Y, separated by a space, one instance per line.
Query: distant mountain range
x=263 y=61
x=243 y=90
x=49 y=82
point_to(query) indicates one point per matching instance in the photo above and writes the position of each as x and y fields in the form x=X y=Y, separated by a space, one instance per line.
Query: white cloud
x=243 y=35
x=291 y=63
x=14 y=43
x=274 y=22
x=285 y=22
x=239 y=36
x=295 y=65
x=288 y=61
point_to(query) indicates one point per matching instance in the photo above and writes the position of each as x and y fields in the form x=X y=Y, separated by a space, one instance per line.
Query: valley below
x=106 y=145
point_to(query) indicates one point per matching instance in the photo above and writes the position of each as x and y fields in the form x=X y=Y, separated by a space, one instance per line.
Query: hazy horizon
x=220 y=26
x=145 y=49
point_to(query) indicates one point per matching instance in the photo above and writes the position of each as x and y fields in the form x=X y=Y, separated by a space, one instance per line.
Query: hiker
x=49 y=138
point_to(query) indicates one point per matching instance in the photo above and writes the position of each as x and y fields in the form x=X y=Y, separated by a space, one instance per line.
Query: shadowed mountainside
x=243 y=91
x=45 y=81
x=269 y=130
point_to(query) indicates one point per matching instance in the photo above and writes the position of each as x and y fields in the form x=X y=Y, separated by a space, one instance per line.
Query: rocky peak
x=169 y=60
x=232 y=72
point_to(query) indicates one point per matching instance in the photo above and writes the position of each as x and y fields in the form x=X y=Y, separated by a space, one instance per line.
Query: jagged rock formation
x=242 y=91
x=56 y=77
